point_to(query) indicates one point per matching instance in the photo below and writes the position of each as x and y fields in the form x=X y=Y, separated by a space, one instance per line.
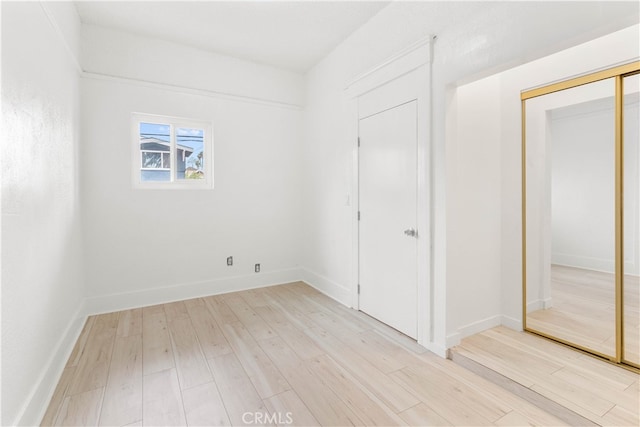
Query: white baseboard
x=36 y=404
x=534 y=306
x=580 y=261
x=125 y=301
x=631 y=268
x=453 y=340
x=327 y=287
x=472 y=329
x=512 y=323
x=480 y=325
x=437 y=349
x=539 y=304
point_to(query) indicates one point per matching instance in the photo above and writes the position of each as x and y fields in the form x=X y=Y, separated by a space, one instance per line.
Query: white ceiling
x=293 y=35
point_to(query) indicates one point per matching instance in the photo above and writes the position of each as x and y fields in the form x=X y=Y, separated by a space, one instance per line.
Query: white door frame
x=413 y=62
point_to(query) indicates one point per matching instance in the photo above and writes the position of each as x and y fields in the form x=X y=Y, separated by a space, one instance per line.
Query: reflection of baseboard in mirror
x=581 y=212
x=539 y=304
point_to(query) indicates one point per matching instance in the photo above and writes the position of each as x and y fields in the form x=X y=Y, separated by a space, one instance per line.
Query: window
x=170 y=152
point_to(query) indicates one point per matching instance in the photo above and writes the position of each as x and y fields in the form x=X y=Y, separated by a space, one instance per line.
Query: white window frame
x=173 y=123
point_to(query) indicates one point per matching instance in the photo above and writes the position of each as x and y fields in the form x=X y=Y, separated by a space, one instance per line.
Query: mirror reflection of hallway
x=581 y=214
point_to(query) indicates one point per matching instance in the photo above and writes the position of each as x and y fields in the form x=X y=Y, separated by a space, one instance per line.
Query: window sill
x=173 y=186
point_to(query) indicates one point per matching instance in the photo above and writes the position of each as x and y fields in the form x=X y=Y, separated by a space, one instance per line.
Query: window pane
x=155 y=153
x=151 y=160
x=190 y=155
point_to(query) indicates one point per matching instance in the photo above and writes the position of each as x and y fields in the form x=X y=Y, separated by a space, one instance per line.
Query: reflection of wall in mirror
x=632 y=175
x=583 y=225
x=537 y=213
x=583 y=185
x=542 y=112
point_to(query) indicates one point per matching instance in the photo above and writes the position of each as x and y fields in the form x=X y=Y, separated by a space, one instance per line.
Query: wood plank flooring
x=283 y=355
x=606 y=394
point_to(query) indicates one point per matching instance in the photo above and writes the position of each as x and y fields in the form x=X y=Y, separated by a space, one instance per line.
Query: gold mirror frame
x=619 y=73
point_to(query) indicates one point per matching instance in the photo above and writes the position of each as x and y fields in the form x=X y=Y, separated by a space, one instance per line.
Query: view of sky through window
x=154 y=130
x=193 y=139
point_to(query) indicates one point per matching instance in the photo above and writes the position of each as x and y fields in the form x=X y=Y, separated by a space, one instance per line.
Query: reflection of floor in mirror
x=583 y=311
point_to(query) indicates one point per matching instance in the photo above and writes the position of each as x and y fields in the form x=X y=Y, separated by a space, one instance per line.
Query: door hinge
x=358 y=288
x=358 y=215
x=358 y=141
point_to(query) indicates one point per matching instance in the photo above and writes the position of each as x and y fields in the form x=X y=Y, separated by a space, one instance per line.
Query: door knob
x=411 y=232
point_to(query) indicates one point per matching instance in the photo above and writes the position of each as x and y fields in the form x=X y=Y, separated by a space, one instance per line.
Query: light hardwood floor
x=583 y=311
x=287 y=355
x=606 y=394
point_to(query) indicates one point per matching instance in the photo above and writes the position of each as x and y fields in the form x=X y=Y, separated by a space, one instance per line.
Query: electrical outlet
x=257 y=268
x=229 y=260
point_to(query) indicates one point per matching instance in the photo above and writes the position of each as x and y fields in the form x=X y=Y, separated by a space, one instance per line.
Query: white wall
x=148 y=246
x=62 y=259
x=116 y=53
x=473 y=209
x=42 y=277
x=141 y=240
x=482 y=39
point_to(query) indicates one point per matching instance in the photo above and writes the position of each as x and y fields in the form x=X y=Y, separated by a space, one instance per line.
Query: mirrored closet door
x=581 y=216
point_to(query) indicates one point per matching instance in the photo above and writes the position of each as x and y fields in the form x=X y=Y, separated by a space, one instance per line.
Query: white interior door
x=388 y=217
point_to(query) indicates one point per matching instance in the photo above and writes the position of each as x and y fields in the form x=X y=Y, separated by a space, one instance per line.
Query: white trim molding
x=328 y=287
x=472 y=329
x=189 y=90
x=408 y=59
x=143 y=298
x=512 y=323
x=65 y=43
x=539 y=304
x=437 y=349
x=405 y=76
